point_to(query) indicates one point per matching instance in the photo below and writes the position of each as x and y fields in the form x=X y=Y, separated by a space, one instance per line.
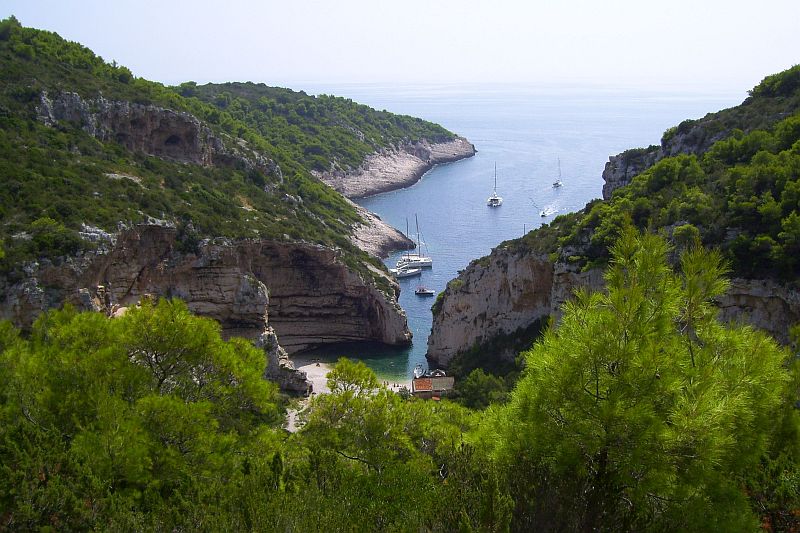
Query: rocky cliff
x=500 y=294
x=151 y=130
x=512 y=288
x=303 y=291
x=395 y=168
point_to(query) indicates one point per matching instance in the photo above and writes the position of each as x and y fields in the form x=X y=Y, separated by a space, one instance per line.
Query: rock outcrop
x=376 y=237
x=691 y=137
x=309 y=295
x=151 y=130
x=622 y=168
x=765 y=304
x=512 y=288
x=395 y=168
x=500 y=294
x=280 y=368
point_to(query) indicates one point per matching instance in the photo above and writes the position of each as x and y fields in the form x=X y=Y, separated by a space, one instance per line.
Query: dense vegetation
x=55 y=179
x=741 y=195
x=323 y=132
x=639 y=412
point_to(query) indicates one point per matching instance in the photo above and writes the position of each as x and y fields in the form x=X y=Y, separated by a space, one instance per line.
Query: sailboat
x=494 y=200
x=557 y=183
x=416 y=260
x=405 y=272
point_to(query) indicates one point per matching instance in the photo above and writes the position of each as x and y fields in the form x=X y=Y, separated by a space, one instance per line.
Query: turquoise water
x=524 y=130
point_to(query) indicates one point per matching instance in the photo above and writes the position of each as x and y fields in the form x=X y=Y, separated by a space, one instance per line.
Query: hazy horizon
x=709 y=46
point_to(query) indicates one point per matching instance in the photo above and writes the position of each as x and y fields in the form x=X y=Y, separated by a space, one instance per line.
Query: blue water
x=524 y=130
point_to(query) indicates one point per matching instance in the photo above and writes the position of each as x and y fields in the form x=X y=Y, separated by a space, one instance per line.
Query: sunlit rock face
x=511 y=289
x=397 y=167
x=304 y=292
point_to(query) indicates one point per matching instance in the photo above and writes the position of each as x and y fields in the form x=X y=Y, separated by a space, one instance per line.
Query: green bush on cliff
x=784 y=83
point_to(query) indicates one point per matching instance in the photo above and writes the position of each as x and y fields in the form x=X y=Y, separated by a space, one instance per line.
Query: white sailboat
x=494 y=200
x=405 y=272
x=416 y=260
x=558 y=183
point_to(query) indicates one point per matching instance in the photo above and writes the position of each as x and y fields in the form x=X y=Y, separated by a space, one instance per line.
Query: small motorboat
x=424 y=291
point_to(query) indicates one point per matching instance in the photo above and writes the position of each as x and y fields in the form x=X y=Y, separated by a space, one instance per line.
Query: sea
x=525 y=131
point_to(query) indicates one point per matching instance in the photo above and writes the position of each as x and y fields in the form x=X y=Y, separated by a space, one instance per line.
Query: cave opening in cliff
x=173 y=140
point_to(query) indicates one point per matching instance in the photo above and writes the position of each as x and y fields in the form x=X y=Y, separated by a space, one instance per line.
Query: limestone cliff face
x=308 y=294
x=510 y=289
x=498 y=295
x=765 y=304
x=151 y=130
x=397 y=167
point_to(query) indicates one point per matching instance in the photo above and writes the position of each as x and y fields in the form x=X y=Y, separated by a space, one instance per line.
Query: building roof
x=443 y=383
x=422 y=384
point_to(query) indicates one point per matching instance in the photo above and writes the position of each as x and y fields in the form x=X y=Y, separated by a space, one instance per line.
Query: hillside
x=115 y=188
x=66 y=167
x=738 y=194
x=773 y=100
x=323 y=132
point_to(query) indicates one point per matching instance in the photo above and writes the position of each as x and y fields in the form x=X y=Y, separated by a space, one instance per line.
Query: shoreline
x=398 y=168
x=316 y=372
x=375 y=236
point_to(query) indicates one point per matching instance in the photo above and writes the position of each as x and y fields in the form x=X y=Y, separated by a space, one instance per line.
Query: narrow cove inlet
x=524 y=131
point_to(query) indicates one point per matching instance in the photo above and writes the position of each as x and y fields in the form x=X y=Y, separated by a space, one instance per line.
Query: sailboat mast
x=419 y=246
x=559 y=169
x=495 y=177
x=408 y=254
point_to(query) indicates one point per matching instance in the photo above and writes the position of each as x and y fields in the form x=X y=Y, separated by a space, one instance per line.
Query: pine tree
x=640 y=410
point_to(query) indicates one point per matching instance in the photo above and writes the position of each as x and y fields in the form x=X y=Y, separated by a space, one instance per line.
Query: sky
x=692 y=44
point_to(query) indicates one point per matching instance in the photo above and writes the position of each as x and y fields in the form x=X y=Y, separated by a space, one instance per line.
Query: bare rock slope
x=397 y=167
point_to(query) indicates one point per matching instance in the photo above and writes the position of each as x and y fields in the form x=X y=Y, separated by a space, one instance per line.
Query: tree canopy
x=640 y=410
